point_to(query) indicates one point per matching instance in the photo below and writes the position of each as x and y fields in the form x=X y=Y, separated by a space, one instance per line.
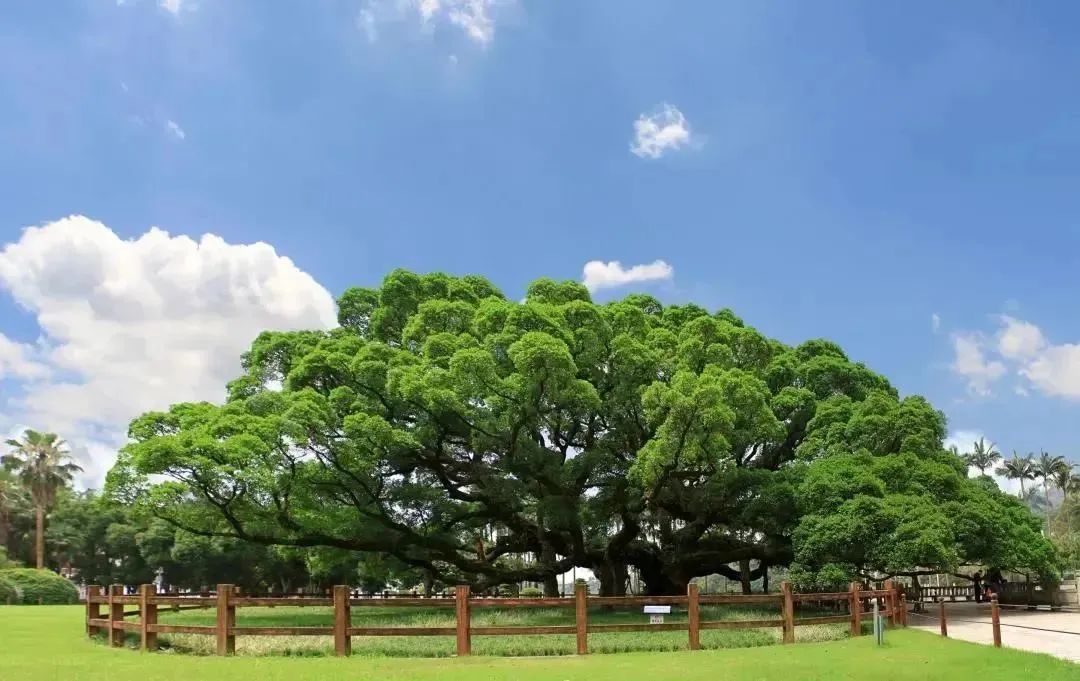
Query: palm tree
x=1035 y=501
x=42 y=465
x=982 y=456
x=1018 y=468
x=1047 y=467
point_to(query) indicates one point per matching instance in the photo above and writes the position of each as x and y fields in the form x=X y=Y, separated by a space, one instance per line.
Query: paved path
x=1021 y=629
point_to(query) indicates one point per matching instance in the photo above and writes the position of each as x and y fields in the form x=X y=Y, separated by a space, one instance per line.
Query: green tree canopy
x=479 y=439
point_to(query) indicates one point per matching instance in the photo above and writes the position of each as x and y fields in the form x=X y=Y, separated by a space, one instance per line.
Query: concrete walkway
x=1022 y=629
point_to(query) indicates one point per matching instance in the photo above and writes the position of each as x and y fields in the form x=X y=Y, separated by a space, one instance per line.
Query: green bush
x=41 y=586
x=9 y=593
x=531 y=592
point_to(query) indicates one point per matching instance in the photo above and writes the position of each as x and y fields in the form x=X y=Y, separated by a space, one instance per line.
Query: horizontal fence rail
x=113 y=623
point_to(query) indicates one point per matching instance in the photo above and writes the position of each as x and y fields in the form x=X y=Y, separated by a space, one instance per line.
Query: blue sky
x=830 y=169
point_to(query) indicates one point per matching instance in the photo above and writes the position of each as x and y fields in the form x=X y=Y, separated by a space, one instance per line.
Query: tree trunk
x=551 y=586
x=612 y=578
x=39 y=538
x=659 y=582
x=429 y=583
x=1046 y=493
x=764 y=577
x=744 y=575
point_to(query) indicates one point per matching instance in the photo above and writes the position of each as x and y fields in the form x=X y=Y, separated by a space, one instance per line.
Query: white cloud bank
x=599 y=275
x=1018 y=348
x=657 y=133
x=130 y=325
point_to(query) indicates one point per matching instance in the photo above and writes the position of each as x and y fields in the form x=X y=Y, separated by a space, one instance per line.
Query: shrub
x=5 y=562
x=41 y=586
x=9 y=593
x=531 y=592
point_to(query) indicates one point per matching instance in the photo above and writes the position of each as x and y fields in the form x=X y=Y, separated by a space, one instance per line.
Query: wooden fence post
x=147 y=617
x=693 y=614
x=856 y=610
x=903 y=610
x=226 y=620
x=891 y=601
x=342 y=640
x=581 y=618
x=941 y=617
x=464 y=636
x=93 y=610
x=116 y=614
x=788 y=611
x=995 y=620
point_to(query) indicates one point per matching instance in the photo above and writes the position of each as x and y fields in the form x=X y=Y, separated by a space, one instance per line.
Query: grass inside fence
x=49 y=644
x=443 y=646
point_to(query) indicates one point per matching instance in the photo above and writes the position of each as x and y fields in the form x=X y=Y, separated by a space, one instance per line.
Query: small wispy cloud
x=599 y=275
x=174 y=128
x=935 y=322
x=365 y=20
x=171 y=6
x=664 y=130
x=475 y=18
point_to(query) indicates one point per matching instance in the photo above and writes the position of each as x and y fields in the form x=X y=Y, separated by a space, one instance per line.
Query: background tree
x=1048 y=467
x=1064 y=480
x=40 y=462
x=983 y=456
x=476 y=439
x=1018 y=468
x=10 y=497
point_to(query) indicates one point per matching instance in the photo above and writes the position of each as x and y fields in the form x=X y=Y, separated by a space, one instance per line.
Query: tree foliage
x=474 y=438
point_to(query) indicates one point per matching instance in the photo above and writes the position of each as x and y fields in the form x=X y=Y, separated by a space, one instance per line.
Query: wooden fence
x=1010 y=593
x=114 y=621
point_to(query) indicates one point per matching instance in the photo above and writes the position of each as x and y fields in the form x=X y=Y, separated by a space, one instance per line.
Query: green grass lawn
x=38 y=643
x=443 y=646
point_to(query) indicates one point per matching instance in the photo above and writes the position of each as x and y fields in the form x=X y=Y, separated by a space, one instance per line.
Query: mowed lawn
x=49 y=643
x=443 y=646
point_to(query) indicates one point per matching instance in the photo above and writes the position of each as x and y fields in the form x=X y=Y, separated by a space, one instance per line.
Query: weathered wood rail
x=226 y=600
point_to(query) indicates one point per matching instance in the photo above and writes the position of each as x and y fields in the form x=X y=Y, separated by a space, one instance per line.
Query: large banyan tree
x=490 y=441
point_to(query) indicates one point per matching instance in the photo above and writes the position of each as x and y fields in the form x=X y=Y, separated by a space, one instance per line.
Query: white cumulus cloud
x=1020 y=348
x=16 y=360
x=973 y=365
x=1018 y=339
x=600 y=275
x=131 y=325
x=657 y=133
